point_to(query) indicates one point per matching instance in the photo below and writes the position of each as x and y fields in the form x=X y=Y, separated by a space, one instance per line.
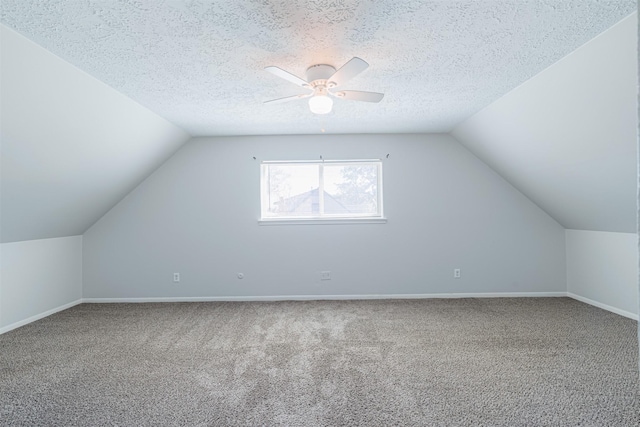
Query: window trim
x=323 y=221
x=376 y=218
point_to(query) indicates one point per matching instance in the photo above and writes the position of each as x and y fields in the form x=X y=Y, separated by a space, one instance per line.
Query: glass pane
x=351 y=189
x=293 y=190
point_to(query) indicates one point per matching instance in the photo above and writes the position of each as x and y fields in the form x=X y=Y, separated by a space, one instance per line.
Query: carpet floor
x=462 y=362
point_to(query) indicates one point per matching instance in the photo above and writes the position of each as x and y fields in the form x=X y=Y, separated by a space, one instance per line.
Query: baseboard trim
x=321 y=297
x=603 y=306
x=325 y=297
x=38 y=316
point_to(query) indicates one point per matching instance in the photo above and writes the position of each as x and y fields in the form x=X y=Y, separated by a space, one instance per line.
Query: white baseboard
x=603 y=306
x=322 y=297
x=326 y=297
x=38 y=316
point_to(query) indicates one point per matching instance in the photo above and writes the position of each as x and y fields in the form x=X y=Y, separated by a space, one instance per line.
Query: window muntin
x=336 y=189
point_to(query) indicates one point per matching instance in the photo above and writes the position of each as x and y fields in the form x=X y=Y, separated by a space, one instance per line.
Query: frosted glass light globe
x=320 y=104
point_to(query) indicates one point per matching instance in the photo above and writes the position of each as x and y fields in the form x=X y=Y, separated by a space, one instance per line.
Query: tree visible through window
x=331 y=189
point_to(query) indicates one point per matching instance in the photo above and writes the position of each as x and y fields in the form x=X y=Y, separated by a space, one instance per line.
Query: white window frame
x=322 y=218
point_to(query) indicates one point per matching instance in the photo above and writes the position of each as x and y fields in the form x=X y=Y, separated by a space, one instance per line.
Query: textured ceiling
x=567 y=138
x=200 y=63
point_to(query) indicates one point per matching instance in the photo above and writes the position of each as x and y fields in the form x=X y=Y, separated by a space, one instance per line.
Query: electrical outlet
x=456 y=273
x=240 y=275
x=325 y=275
x=176 y=277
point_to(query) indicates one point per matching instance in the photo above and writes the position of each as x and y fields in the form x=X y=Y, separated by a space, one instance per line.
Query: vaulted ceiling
x=96 y=94
x=200 y=64
x=567 y=137
x=72 y=147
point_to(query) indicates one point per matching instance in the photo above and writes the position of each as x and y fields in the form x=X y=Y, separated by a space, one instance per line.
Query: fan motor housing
x=319 y=72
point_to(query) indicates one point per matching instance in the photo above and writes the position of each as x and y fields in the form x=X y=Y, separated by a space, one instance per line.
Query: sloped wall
x=198 y=215
x=72 y=146
x=567 y=137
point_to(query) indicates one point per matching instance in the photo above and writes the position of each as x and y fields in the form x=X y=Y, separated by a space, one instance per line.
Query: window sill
x=324 y=221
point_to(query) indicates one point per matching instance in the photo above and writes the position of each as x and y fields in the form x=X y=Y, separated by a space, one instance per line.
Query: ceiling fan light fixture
x=320 y=104
x=320 y=79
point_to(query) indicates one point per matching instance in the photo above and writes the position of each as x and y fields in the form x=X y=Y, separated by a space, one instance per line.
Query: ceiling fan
x=321 y=79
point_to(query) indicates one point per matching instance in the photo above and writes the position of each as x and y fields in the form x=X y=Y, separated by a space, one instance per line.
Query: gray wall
x=602 y=269
x=197 y=215
x=39 y=277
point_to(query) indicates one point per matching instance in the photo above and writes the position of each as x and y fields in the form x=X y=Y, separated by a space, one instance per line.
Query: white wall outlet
x=325 y=275
x=456 y=273
x=240 y=275
x=176 y=277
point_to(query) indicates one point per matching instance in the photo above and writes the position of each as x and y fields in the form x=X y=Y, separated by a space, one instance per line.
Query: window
x=325 y=190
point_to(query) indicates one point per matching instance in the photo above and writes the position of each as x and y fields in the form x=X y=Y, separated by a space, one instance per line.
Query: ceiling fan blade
x=358 y=95
x=348 y=71
x=287 y=99
x=287 y=76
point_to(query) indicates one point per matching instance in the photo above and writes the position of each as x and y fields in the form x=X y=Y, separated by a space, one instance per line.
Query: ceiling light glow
x=320 y=104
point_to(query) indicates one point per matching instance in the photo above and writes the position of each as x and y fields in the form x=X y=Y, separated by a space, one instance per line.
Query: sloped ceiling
x=72 y=147
x=199 y=64
x=567 y=137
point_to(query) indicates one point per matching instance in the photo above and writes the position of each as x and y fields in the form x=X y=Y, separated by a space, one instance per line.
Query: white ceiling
x=72 y=147
x=199 y=64
x=567 y=137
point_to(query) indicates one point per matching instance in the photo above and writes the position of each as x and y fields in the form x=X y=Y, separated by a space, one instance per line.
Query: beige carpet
x=467 y=362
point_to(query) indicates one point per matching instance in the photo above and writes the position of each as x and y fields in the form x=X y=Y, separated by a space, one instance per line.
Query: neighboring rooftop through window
x=325 y=190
